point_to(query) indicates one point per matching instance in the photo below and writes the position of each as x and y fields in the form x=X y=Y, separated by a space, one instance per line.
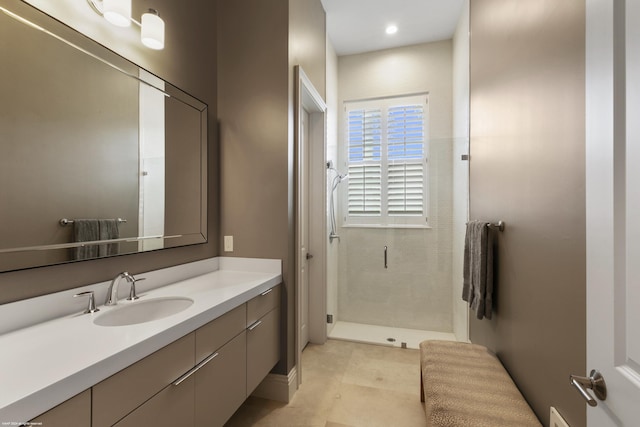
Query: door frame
x=306 y=97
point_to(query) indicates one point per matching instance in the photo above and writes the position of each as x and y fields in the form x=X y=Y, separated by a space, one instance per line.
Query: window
x=387 y=161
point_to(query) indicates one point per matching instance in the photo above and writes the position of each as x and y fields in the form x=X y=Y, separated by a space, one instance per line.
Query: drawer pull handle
x=268 y=291
x=195 y=369
x=255 y=325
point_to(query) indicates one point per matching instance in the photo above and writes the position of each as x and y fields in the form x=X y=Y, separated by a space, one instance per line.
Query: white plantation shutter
x=405 y=188
x=365 y=135
x=405 y=154
x=365 y=190
x=365 y=154
x=386 y=161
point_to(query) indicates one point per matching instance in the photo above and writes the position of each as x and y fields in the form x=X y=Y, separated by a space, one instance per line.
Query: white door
x=613 y=208
x=304 y=229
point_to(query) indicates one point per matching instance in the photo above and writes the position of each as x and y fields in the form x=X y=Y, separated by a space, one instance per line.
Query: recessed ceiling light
x=391 y=29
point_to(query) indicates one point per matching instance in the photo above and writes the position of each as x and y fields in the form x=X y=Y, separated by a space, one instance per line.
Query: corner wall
x=527 y=168
x=256 y=58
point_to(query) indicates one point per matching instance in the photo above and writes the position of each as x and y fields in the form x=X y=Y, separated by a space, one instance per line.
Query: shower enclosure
x=399 y=286
x=398 y=282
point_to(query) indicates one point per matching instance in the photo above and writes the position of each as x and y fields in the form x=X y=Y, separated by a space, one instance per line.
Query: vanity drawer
x=74 y=412
x=124 y=391
x=172 y=407
x=263 y=348
x=220 y=331
x=221 y=384
x=262 y=304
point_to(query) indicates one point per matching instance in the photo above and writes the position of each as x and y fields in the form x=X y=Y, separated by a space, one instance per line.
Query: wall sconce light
x=152 y=30
x=118 y=12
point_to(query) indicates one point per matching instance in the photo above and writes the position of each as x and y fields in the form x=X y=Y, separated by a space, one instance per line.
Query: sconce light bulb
x=117 y=12
x=152 y=31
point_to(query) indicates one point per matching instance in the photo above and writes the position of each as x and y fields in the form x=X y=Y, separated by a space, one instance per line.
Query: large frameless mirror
x=97 y=156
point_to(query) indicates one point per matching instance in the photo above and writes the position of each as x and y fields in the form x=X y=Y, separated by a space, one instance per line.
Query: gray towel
x=477 y=287
x=91 y=230
x=86 y=230
x=108 y=231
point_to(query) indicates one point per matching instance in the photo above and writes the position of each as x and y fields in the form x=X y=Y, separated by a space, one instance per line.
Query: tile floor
x=373 y=334
x=346 y=384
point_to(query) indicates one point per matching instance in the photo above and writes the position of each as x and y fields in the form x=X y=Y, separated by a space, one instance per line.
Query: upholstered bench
x=465 y=385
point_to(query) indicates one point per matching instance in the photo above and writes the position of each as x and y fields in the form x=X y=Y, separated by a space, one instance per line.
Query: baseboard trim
x=280 y=388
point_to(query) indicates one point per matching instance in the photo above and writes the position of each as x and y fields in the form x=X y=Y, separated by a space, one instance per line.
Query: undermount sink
x=143 y=311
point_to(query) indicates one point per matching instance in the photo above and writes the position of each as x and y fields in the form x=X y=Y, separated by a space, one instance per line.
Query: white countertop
x=47 y=363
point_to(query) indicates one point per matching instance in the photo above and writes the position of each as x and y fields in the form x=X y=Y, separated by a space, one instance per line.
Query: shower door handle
x=385 y=258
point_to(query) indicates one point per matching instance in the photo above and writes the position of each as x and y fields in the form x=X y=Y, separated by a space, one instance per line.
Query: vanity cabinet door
x=74 y=412
x=221 y=385
x=263 y=348
x=126 y=390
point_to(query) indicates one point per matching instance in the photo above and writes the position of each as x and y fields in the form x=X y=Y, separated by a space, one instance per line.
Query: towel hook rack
x=65 y=221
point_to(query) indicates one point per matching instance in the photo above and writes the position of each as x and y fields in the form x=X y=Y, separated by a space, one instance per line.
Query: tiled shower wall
x=415 y=290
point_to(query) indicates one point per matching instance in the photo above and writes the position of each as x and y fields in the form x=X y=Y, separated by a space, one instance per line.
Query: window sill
x=404 y=226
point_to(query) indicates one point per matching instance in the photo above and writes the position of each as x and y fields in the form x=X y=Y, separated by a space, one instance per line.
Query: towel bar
x=499 y=225
x=65 y=221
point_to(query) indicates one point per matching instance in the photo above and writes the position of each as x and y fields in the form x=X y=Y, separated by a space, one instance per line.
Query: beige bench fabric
x=464 y=385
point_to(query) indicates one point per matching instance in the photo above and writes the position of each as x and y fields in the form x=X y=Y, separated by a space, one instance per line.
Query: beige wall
x=415 y=290
x=308 y=41
x=255 y=81
x=189 y=62
x=419 y=68
x=527 y=168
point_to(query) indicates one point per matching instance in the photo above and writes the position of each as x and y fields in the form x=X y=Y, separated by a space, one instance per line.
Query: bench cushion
x=466 y=385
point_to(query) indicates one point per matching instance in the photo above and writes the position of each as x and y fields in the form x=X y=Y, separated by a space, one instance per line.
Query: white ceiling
x=357 y=26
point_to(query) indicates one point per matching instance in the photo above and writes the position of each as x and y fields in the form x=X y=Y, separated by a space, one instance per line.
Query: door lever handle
x=595 y=382
x=309 y=256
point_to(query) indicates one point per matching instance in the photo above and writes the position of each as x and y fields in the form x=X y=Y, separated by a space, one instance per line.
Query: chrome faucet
x=112 y=293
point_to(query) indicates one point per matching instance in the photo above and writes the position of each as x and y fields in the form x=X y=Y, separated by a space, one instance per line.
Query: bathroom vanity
x=194 y=367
